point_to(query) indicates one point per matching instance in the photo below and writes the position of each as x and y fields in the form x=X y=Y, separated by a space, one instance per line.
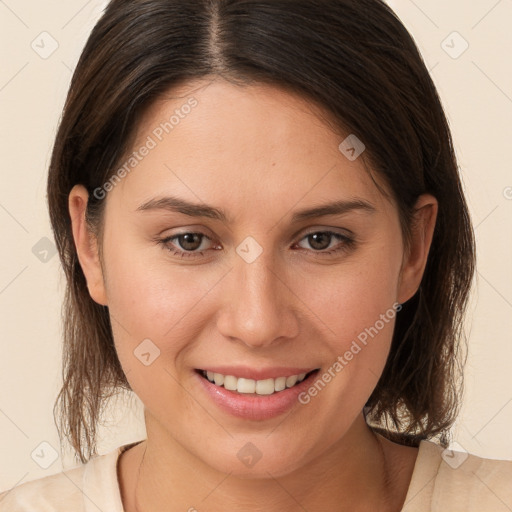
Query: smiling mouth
x=255 y=387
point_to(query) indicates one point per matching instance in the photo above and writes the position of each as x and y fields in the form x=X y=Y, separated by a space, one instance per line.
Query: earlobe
x=86 y=244
x=415 y=260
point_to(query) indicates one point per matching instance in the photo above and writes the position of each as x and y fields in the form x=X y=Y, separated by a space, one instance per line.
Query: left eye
x=188 y=242
x=321 y=240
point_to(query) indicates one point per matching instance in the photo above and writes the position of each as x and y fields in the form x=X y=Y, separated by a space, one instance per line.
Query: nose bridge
x=259 y=310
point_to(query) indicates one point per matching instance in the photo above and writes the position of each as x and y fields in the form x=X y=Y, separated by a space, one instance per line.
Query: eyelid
x=167 y=239
x=324 y=229
x=184 y=231
x=345 y=233
x=344 y=241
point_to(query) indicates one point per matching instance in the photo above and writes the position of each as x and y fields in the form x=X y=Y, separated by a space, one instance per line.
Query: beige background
x=476 y=89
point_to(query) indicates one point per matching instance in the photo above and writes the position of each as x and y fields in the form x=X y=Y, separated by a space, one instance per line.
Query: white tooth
x=280 y=383
x=291 y=381
x=246 y=385
x=261 y=387
x=265 y=387
x=230 y=382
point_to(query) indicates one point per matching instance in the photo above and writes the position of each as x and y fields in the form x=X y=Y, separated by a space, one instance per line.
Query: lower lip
x=252 y=407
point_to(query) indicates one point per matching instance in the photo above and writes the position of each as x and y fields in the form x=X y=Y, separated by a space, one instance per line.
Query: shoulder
x=80 y=489
x=44 y=493
x=477 y=483
x=455 y=480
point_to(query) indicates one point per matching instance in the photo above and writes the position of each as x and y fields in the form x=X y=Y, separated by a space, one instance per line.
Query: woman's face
x=265 y=289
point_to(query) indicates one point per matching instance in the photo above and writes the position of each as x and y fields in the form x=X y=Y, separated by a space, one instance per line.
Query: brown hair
x=353 y=58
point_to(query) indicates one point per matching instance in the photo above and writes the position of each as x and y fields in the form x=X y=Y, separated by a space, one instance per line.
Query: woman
x=259 y=214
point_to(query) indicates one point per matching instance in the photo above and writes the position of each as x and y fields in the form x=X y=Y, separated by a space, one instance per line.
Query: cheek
x=158 y=312
x=355 y=306
x=150 y=298
x=352 y=296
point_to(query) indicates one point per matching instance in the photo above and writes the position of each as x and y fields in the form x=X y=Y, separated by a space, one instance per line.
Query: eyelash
x=345 y=246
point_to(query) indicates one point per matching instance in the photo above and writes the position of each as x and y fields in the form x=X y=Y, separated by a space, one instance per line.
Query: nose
x=259 y=306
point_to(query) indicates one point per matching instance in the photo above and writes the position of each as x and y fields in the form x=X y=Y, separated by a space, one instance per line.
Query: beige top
x=449 y=482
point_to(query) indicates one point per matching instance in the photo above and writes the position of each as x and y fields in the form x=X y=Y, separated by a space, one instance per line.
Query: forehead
x=257 y=143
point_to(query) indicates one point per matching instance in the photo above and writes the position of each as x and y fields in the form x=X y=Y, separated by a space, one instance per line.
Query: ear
x=415 y=259
x=86 y=244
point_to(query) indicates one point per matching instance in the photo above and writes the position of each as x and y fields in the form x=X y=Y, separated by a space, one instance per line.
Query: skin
x=260 y=153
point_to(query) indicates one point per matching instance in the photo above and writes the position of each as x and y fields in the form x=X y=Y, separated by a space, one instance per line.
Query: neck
x=353 y=475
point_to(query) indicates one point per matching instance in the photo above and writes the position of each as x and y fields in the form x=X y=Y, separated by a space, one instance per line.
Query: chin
x=246 y=461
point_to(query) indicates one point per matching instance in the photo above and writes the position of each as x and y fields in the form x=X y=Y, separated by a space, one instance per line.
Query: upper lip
x=246 y=372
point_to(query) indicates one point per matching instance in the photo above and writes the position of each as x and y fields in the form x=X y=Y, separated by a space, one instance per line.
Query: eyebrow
x=175 y=204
